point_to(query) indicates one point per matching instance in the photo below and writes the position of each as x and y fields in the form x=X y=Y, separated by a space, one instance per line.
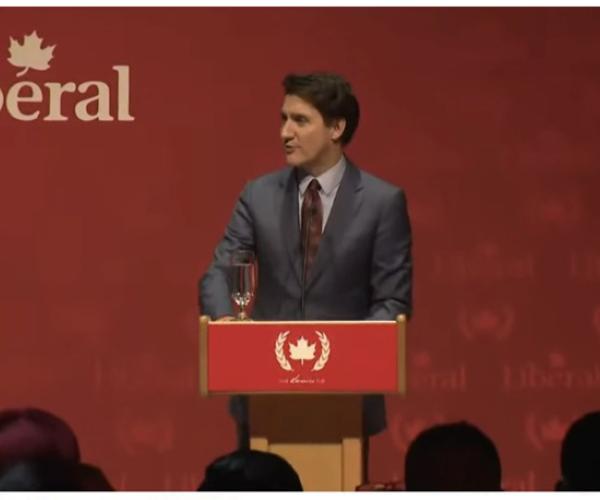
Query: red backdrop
x=488 y=118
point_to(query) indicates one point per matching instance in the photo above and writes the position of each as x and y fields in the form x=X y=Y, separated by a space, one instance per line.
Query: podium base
x=319 y=435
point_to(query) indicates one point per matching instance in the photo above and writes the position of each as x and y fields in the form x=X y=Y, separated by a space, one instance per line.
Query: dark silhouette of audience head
x=39 y=452
x=53 y=475
x=452 y=457
x=39 y=475
x=33 y=434
x=250 y=470
x=580 y=455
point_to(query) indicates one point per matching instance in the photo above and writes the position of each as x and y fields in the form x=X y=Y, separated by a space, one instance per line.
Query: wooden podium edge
x=203 y=354
x=306 y=393
x=401 y=355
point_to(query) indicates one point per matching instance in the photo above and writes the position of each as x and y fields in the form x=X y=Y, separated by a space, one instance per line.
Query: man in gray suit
x=332 y=241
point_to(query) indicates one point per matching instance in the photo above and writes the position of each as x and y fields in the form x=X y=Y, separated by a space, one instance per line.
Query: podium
x=305 y=381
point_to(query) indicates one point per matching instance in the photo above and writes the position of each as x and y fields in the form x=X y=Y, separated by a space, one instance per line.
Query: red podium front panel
x=320 y=357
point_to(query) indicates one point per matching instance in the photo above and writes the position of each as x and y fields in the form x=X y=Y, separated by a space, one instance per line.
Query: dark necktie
x=312 y=223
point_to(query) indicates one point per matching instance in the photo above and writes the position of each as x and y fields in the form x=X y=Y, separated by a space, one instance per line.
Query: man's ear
x=337 y=129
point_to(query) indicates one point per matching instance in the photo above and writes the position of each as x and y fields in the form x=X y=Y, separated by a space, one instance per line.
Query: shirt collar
x=328 y=180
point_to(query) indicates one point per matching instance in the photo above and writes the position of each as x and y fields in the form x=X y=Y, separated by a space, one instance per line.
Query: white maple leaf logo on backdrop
x=29 y=54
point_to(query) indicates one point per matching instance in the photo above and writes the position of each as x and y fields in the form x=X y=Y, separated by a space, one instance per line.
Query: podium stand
x=305 y=382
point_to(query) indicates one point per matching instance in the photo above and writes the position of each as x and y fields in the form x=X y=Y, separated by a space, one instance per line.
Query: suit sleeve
x=391 y=265
x=214 y=288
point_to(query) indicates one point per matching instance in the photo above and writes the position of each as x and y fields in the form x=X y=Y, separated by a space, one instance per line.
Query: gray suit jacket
x=362 y=271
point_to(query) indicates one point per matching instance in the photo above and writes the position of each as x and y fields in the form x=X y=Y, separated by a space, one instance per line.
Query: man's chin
x=294 y=160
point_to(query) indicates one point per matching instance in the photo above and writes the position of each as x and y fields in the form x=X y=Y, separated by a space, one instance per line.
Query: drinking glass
x=243 y=282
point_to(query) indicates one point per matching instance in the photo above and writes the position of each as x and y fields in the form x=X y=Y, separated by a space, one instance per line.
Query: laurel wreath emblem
x=279 y=352
x=285 y=364
x=325 y=351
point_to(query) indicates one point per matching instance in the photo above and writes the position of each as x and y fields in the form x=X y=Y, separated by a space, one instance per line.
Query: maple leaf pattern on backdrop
x=302 y=350
x=30 y=54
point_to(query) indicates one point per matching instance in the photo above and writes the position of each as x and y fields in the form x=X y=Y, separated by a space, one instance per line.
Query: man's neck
x=317 y=170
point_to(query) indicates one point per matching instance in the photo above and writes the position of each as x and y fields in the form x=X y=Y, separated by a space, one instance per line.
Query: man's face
x=308 y=142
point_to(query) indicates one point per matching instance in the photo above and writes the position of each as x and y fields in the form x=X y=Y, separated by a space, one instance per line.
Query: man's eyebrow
x=297 y=116
x=293 y=116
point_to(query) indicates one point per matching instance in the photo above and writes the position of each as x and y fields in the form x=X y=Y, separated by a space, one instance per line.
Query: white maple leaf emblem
x=302 y=350
x=30 y=54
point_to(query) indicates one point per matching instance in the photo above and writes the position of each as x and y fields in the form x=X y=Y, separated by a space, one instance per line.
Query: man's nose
x=287 y=131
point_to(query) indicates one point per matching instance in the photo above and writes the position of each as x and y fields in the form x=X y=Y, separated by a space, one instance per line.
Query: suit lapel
x=290 y=223
x=347 y=202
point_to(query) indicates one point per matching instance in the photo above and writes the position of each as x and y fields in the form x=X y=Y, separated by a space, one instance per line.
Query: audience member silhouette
x=30 y=433
x=39 y=452
x=39 y=475
x=580 y=455
x=452 y=457
x=250 y=470
x=53 y=475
